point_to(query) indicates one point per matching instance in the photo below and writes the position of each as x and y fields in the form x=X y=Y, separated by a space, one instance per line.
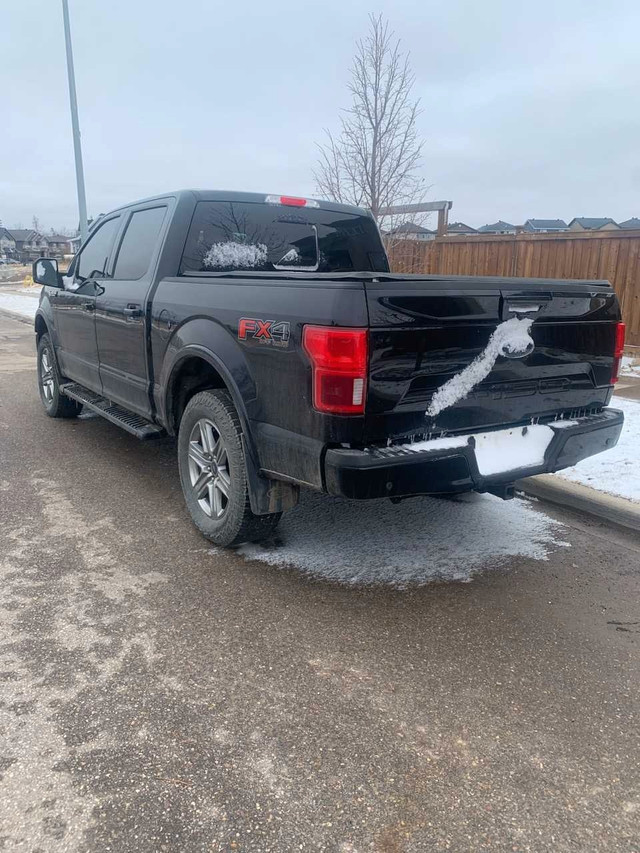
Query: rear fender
x=209 y=341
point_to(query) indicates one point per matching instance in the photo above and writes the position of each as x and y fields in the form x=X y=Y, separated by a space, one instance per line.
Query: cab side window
x=92 y=261
x=138 y=244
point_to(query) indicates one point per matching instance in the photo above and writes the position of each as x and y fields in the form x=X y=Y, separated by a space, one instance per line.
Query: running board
x=134 y=424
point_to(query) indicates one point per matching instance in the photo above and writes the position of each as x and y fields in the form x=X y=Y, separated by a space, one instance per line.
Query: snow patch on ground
x=615 y=471
x=409 y=544
x=25 y=304
x=509 y=338
x=232 y=255
x=630 y=366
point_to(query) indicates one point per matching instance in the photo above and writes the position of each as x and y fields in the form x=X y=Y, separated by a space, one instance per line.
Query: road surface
x=159 y=695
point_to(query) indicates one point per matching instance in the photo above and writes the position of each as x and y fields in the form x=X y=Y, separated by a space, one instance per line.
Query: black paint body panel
x=423 y=330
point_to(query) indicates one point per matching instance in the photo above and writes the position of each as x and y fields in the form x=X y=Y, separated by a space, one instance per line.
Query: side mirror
x=45 y=271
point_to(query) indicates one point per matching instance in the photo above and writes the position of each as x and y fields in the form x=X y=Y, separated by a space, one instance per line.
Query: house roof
x=500 y=225
x=460 y=228
x=57 y=238
x=25 y=234
x=4 y=232
x=634 y=222
x=592 y=223
x=410 y=228
x=546 y=223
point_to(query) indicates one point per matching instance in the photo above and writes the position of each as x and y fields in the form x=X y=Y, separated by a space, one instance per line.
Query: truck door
x=74 y=307
x=121 y=327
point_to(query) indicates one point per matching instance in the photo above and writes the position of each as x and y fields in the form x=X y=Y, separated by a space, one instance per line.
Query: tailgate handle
x=531 y=305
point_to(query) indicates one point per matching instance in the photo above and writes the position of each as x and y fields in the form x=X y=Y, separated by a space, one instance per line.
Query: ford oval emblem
x=508 y=351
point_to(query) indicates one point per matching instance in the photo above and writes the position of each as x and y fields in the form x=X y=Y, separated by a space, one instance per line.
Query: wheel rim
x=47 y=380
x=209 y=468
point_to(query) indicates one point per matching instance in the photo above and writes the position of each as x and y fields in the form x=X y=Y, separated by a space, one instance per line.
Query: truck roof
x=229 y=195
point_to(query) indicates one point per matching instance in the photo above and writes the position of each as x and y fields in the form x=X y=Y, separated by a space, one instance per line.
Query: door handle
x=89 y=306
x=132 y=311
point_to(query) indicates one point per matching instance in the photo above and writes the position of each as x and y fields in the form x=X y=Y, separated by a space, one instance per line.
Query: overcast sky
x=529 y=110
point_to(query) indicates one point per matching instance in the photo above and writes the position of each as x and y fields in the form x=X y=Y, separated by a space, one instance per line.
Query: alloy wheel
x=209 y=468
x=47 y=379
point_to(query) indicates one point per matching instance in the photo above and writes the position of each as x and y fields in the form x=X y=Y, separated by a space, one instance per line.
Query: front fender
x=44 y=314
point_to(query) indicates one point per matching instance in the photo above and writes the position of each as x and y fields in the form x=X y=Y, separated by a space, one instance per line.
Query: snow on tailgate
x=509 y=338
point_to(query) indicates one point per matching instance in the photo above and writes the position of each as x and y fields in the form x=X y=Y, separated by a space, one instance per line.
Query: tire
x=213 y=472
x=56 y=405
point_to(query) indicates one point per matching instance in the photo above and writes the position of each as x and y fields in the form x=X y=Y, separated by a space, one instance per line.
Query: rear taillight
x=339 y=360
x=617 y=352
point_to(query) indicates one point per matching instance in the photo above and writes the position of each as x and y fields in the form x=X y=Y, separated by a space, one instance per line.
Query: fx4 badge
x=271 y=332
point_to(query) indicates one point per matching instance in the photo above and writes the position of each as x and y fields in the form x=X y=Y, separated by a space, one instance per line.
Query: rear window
x=226 y=236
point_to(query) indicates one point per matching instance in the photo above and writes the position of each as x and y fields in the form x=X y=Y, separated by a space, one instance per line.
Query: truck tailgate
x=427 y=329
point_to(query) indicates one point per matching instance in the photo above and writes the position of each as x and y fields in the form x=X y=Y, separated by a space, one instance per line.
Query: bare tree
x=374 y=160
x=35 y=223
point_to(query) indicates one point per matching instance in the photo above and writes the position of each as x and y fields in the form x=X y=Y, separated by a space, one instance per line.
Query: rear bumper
x=402 y=471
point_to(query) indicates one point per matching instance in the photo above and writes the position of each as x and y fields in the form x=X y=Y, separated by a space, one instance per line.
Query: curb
x=555 y=490
x=14 y=315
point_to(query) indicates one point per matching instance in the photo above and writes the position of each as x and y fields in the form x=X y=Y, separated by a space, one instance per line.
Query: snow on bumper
x=471 y=462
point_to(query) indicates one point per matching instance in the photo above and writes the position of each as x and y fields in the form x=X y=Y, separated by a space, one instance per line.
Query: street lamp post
x=77 y=146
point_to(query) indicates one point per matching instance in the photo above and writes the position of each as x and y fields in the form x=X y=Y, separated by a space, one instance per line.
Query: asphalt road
x=156 y=695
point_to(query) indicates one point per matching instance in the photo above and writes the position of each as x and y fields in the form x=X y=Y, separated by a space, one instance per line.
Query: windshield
x=227 y=236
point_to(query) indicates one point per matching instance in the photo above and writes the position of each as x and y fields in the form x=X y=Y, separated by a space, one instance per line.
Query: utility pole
x=73 y=103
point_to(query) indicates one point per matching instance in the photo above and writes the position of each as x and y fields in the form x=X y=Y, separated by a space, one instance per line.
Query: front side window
x=227 y=236
x=138 y=244
x=92 y=261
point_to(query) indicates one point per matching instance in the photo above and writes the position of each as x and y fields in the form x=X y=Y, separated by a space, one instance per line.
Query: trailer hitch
x=506 y=491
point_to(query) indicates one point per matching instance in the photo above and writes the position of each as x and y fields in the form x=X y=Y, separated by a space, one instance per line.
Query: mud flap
x=267 y=496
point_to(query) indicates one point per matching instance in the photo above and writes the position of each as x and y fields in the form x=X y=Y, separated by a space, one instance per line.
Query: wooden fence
x=611 y=255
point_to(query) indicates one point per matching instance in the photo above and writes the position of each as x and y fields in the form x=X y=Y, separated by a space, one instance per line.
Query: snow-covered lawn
x=615 y=471
x=415 y=542
x=25 y=304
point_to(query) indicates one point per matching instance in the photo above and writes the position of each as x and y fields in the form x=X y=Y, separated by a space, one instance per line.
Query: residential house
x=7 y=244
x=30 y=244
x=583 y=223
x=459 y=229
x=544 y=226
x=498 y=227
x=59 y=245
x=630 y=224
x=411 y=231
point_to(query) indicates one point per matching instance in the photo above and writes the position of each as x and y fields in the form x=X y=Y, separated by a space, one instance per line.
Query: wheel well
x=41 y=327
x=192 y=376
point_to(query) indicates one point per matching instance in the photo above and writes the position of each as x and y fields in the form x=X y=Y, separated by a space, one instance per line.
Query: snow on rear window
x=232 y=255
x=291 y=257
x=509 y=338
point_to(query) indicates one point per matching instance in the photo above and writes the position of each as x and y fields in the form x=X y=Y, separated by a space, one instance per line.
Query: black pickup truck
x=268 y=335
